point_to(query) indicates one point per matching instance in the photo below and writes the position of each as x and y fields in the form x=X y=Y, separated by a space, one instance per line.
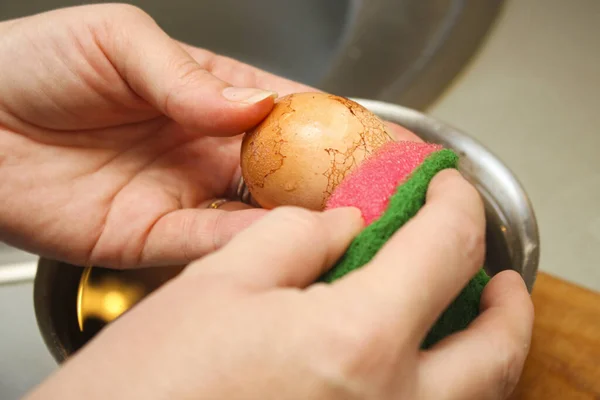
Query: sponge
x=390 y=188
x=370 y=187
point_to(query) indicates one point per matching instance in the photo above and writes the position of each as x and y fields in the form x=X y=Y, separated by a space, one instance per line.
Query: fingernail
x=247 y=95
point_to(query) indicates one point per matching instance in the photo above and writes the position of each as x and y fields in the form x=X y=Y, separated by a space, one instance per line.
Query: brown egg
x=305 y=147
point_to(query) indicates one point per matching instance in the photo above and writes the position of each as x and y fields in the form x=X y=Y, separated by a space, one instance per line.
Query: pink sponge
x=371 y=185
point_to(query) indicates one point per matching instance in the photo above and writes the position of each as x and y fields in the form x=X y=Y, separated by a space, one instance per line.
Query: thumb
x=160 y=71
x=185 y=235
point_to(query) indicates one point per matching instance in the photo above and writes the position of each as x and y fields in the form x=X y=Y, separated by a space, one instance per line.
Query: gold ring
x=217 y=203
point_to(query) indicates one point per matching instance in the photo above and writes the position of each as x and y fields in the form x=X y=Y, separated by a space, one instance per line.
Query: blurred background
x=521 y=76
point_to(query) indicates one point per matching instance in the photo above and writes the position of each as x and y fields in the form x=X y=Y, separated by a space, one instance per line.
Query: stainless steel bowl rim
x=479 y=165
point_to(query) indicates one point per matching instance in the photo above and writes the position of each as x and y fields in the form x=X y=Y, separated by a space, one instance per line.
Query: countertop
x=564 y=360
x=532 y=96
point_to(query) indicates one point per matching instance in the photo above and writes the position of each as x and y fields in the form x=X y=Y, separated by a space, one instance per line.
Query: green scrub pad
x=408 y=198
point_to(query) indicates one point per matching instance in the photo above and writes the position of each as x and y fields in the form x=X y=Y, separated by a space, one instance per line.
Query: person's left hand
x=114 y=138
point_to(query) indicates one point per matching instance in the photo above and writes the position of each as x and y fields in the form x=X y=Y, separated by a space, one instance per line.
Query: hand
x=246 y=322
x=114 y=137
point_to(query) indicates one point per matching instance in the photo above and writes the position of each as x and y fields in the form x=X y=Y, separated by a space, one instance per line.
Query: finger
x=485 y=360
x=291 y=247
x=165 y=75
x=234 y=206
x=424 y=265
x=186 y=235
x=224 y=205
x=400 y=133
x=240 y=74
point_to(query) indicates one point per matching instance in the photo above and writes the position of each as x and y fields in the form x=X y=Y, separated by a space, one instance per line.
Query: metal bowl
x=512 y=233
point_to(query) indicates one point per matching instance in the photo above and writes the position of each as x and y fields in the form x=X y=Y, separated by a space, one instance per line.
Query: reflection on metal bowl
x=104 y=294
x=73 y=303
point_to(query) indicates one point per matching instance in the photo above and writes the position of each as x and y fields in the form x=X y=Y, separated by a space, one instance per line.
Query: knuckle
x=128 y=11
x=113 y=23
x=358 y=345
x=209 y=226
x=508 y=367
x=466 y=218
x=478 y=208
x=303 y=222
x=216 y=231
x=469 y=234
x=186 y=227
x=473 y=241
x=188 y=73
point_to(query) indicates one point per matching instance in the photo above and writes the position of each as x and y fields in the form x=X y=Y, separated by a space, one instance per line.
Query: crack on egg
x=281 y=158
x=341 y=164
x=372 y=136
x=274 y=162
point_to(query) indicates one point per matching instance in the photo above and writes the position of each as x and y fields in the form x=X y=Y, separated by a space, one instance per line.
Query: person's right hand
x=246 y=322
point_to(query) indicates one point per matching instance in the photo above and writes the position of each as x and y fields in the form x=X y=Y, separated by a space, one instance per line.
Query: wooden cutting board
x=564 y=361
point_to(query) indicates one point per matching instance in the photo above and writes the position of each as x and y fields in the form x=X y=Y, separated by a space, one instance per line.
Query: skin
x=114 y=138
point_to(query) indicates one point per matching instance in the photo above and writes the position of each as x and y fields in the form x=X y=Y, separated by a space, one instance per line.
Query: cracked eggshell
x=304 y=148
